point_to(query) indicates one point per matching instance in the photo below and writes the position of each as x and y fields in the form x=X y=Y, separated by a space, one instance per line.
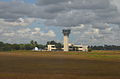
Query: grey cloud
x=100 y=26
x=61 y=12
x=49 y=2
x=88 y=4
x=77 y=4
x=73 y=18
x=15 y=10
x=24 y=35
x=67 y=13
x=82 y=11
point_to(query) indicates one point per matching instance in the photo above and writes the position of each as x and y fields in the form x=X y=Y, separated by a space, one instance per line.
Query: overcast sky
x=93 y=22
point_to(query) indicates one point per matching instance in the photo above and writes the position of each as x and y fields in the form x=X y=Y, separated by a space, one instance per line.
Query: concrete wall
x=66 y=47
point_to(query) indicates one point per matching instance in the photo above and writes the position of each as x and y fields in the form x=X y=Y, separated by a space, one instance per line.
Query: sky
x=92 y=22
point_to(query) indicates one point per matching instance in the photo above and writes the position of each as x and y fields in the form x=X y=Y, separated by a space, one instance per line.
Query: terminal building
x=71 y=47
x=66 y=45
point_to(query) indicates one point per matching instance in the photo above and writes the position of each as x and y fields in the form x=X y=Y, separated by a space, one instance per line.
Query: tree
x=59 y=45
x=7 y=47
x=1 y=46
x=15 y=47
x=32 y=42
x=28 y=47
x=51 y=42
x=41 y=46
x=35 y=43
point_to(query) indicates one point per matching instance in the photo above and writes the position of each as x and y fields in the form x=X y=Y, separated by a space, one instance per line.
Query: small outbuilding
x=36 y=49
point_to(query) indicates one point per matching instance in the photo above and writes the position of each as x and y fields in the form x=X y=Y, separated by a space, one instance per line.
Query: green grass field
x=60 y=65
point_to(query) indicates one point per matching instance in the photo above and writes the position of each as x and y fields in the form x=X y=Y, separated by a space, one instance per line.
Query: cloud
x=75 y=12
x=96 y=35
x=62 y=12
x=18 y=22
x=100 y=26
x=24 y=35
x=117 y=3
x=87 y=18
x=50 y=34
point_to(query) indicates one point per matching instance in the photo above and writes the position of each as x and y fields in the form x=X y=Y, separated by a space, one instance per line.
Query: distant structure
x=66 y=45
x=51 y=47
x=66 y=33
x=71 y=47
x=36 y=49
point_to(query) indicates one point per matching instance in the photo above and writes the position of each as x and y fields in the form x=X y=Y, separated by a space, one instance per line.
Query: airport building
x=71 y=47
x=66 y=45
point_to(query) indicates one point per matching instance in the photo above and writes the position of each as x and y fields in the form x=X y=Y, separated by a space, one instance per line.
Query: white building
x=72 y=47
x=51 y=48
x=36 y=49
x=66 y=45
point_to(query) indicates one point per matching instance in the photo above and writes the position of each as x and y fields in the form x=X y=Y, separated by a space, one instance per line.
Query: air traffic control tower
x=66 y=33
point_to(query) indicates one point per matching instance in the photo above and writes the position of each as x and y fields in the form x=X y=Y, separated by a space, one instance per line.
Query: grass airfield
x=60 y=65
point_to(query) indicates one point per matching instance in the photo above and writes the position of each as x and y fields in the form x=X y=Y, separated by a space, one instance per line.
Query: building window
x=53 y=46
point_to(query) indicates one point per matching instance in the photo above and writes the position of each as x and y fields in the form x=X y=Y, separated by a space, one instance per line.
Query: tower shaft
x=66 y=33
x=66 y=47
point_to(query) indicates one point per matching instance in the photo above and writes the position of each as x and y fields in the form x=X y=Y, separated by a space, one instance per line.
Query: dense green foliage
x=105 y=47
x=33 y=44
x=58 y=45
x=10 y=47
x=29 y=46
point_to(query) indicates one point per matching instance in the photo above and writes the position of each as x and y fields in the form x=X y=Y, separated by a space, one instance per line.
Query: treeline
x=33 y=44
x=58 y=45
x=105 y=47
x=29 y=46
